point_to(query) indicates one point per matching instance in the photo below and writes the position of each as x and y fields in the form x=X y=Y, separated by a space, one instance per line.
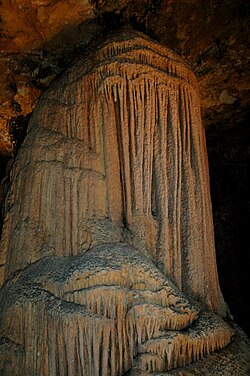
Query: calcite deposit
x=100 y=313
x=116 y=149
x=107 y=252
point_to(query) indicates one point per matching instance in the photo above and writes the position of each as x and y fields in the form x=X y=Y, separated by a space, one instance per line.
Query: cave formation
x=211 y=37
x=38 y=40
x=109 y=205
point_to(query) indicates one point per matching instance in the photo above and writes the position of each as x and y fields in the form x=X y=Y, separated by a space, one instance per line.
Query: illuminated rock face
x=101 y=313
x=109 y=202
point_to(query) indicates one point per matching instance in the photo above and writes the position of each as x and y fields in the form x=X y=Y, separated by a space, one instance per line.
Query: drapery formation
x=102 y=313
x=116 y=152
x=108 y=206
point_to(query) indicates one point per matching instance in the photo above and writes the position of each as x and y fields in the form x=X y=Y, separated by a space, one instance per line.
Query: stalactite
x=177 y=349
x=109 y=203
x=103 y=326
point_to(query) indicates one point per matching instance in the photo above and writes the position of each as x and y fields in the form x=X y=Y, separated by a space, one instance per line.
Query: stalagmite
x=108 y=236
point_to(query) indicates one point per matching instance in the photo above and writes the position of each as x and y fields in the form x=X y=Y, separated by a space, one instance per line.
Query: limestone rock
x=108 y=234
x=101 y=313
x=116 y=147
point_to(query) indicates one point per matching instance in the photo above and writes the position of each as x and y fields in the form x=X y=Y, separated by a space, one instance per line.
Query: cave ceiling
x=39 y=38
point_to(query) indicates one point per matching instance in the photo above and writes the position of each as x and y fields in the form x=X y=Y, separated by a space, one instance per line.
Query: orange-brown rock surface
x=38 y=38
x=109 y=205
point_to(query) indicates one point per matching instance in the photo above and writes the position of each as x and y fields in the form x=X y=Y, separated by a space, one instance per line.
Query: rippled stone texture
x=101 y=313
x=110 y=201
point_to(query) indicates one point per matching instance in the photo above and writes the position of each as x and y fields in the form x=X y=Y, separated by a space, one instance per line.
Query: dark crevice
x=229 y=161
x=18 y=130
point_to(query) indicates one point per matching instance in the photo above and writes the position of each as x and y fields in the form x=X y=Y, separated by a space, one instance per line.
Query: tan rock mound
x=100 y=313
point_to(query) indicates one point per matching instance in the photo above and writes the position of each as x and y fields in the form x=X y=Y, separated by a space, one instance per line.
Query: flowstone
x=101 y=313
x=107 y=250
